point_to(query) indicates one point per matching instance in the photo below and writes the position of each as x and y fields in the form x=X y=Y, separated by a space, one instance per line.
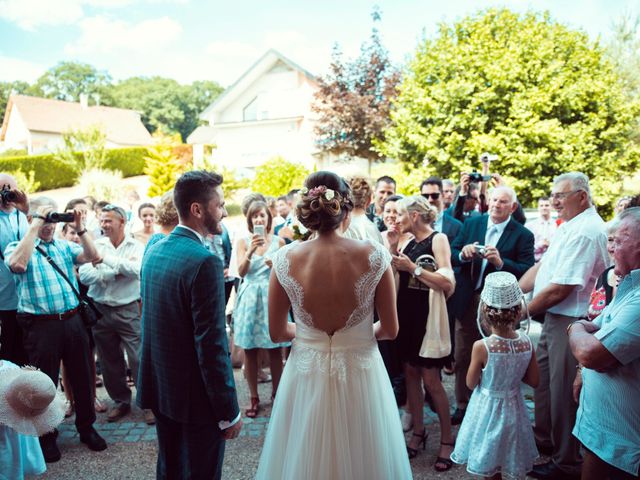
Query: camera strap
x=60 y=272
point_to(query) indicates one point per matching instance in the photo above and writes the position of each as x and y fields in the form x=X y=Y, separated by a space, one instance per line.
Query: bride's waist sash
x=338 y=342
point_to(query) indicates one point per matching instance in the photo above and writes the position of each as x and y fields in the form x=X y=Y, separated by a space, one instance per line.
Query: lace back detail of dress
x=497 y=344
x=379 y=260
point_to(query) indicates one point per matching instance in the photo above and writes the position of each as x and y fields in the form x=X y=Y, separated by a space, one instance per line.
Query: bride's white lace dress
x=335 y=415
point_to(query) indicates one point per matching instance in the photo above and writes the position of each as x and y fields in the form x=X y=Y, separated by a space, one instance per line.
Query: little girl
x=496 y=437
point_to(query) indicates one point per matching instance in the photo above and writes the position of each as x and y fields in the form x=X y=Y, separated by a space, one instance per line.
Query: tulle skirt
x=334 y=417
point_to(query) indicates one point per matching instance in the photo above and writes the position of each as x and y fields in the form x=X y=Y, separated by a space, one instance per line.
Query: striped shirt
x=41 y=290
x=608 y=419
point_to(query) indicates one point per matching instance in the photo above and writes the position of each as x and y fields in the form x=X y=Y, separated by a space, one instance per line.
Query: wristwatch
x=418 y=271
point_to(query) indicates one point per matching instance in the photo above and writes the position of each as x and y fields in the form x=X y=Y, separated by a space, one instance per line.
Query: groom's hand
x=233 y=431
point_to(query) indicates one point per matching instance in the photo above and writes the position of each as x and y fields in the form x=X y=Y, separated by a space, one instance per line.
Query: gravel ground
x=132 y=452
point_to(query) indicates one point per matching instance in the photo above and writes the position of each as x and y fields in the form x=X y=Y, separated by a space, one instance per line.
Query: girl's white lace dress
x=335 y=415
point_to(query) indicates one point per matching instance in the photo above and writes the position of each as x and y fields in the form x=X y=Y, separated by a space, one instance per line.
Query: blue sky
x=217 y=40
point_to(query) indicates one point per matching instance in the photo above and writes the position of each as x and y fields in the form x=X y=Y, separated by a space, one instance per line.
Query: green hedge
x=53 y=173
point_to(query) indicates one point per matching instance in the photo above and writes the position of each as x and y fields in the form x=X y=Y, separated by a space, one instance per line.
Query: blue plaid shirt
x=41 y=290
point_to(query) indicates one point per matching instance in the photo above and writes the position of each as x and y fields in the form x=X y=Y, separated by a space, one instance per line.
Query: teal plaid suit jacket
x=185 y=370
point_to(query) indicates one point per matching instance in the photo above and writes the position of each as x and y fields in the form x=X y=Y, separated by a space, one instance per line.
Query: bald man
x=13 y=226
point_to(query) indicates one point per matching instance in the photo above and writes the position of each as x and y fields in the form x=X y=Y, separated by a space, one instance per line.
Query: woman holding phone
x=250 y=315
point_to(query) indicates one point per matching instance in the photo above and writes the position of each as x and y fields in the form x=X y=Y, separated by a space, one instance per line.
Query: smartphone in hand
x=259 y=230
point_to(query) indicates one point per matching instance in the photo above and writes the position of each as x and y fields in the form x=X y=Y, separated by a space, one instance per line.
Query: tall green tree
x=165 y=104
x=67 y=80
x=541 y=96
x=354 y=99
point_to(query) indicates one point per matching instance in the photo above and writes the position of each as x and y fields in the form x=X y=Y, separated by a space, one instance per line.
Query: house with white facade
x=264 y=114
x=37 y=124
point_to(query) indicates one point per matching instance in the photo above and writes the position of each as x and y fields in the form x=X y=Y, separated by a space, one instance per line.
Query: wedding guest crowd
x=580 y=273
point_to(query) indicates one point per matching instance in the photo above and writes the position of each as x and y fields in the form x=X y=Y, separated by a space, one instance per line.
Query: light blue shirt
x=13 y=227
x=437 y=225
x=608 y=418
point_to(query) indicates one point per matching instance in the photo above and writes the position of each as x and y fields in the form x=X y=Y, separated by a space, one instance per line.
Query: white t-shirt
x=577 y=256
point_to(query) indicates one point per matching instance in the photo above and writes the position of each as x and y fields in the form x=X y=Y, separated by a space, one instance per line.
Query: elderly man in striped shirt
x=608 y=379
x=49 y=316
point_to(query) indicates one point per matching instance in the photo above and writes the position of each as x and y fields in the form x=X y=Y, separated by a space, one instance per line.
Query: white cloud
x=17 y=69
x=102 y=35
x=29 y=14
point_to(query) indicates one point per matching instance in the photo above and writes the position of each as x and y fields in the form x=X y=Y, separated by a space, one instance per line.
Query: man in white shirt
x=562 y=283
x=114 y=285
x=543 y=228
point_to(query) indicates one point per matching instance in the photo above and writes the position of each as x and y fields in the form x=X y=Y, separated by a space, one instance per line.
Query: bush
x=26 y=181
x=233 y=209
x=278 y=176
x=50 y=172
x=101 y=184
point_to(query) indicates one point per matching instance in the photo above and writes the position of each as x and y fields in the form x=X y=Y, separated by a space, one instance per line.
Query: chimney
x=84 y=100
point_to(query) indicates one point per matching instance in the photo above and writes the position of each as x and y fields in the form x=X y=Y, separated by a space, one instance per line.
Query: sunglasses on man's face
x=434 y=196
x=115 y=208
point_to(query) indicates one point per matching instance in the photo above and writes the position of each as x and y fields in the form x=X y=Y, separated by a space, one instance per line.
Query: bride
x=335 y=415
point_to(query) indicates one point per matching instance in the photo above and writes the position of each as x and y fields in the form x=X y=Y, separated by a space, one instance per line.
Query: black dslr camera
x=55 y=217
x=475 y=177
x=7 y=195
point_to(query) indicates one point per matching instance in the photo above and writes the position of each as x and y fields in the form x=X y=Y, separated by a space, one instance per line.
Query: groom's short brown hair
x=195 y=186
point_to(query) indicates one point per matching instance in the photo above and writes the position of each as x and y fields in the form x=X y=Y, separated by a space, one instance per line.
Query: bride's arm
x=387 y=327
x=280 y=329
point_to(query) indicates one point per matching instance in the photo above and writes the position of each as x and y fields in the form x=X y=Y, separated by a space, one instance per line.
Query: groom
x=185 y=373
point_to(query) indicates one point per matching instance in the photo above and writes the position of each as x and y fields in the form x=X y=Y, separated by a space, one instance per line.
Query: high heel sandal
x=447 y=462
x=412 y=452
x=252 y=412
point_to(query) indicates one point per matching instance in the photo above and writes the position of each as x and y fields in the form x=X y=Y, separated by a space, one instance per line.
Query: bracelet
x=571 y=325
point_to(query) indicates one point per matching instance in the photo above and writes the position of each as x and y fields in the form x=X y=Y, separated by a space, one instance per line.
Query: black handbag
x=88 y=311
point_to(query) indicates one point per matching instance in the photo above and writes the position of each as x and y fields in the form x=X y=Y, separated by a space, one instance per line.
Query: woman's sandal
x=412 y=452
x=447 y=462
x=252 y=412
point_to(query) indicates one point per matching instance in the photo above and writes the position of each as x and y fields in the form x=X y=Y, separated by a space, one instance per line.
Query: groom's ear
x=195 y=210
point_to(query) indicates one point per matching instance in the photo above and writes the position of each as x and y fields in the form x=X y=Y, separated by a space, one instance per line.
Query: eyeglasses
x=114 y=208
x=562 y=195
x=434 y=196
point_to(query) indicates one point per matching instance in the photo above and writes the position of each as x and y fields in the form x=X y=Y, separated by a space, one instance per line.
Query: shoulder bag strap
x=57 y=269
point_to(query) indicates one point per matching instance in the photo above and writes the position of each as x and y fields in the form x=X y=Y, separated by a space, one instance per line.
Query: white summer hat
x=29 y=403
x=501 y=290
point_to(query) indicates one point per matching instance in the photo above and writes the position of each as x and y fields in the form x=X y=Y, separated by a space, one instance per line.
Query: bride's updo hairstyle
x=324 y=202
x=418 y=203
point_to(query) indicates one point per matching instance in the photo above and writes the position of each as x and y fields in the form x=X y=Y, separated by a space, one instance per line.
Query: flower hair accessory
x=318 y=191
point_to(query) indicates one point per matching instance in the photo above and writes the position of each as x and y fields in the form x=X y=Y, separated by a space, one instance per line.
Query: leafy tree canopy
x=166 y=105
x=353 y=100
x=538 y=94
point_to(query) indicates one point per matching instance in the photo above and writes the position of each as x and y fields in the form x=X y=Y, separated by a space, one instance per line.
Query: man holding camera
x=49 y=316
x=13 y=227
x=486 y=244
x=114 y=285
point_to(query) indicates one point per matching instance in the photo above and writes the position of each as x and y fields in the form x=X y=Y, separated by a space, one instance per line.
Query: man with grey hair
x=48 y=313
x=562 y=283
x=448 y=192
x=13 y=226
x=608 y=380
x=487 y=243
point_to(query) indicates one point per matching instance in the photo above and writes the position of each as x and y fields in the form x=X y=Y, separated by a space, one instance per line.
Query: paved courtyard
x=132 y=446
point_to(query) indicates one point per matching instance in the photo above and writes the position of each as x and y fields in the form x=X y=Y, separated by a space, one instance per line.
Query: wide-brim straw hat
x=501 y=290
x=29 y=402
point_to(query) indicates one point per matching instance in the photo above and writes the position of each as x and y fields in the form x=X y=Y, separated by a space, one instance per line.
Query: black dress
x=413 y=310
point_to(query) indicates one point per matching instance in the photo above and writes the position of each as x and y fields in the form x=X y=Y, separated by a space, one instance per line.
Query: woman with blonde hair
x=360 y=227
x=416 y=216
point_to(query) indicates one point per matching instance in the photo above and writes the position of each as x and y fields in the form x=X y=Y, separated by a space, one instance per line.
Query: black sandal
x=412 y=452
x=447 y=462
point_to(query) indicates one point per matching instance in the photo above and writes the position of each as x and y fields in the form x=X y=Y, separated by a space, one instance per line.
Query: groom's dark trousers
x=188 y=450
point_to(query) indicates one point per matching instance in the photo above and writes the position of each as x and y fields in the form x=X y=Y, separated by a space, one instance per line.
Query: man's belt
x=55 y=316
